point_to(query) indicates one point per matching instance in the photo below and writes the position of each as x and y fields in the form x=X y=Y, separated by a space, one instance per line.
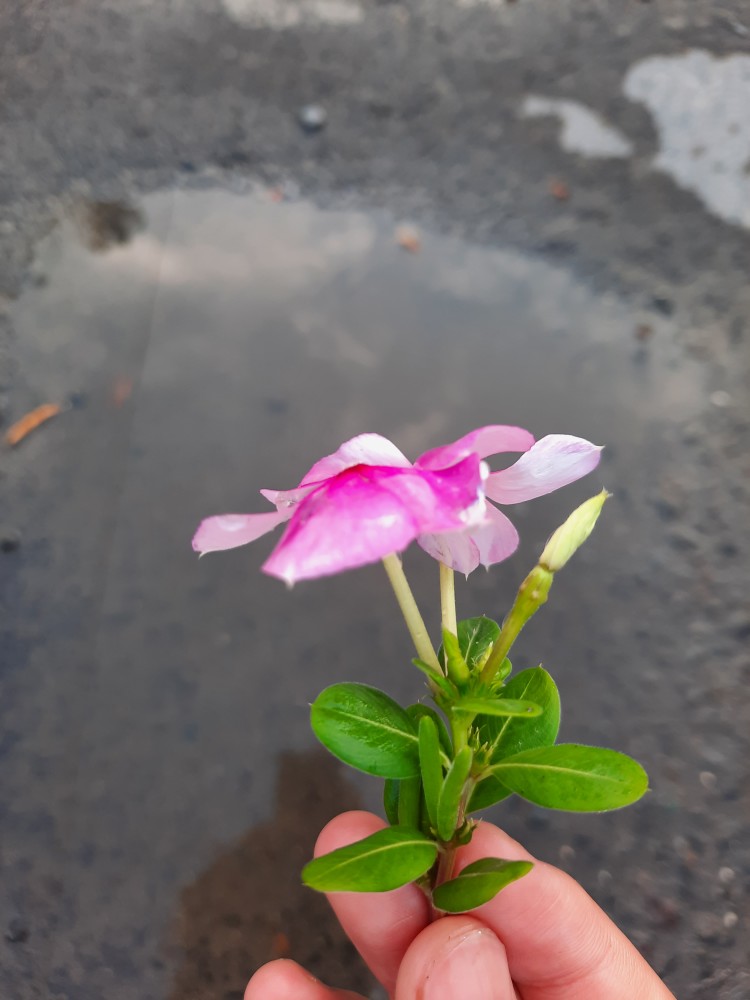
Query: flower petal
x=284 y=499
x=365 y=449
x=488 y=543
x=484 y=441
x=444 y=500
x=456 y=550
x=367 y=512
x=228 y=531
x=496 y=539
x=554 y=461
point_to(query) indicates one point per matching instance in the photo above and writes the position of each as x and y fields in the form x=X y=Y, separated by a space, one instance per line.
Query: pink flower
x=554 y=461
x=367 y=500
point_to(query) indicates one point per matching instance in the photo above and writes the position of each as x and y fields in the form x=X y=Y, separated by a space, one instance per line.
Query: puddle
x=148 y=695
x=699 y=105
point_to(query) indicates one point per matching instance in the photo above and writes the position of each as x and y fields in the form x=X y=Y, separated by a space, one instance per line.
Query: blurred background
x=235 y=233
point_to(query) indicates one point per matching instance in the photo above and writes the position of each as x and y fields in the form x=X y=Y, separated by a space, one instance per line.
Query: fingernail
x=472 y=966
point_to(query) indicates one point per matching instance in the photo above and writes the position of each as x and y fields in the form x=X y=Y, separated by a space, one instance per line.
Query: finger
x=381 y=925
x=452 y=958
x=285 y=980
x=560 y=944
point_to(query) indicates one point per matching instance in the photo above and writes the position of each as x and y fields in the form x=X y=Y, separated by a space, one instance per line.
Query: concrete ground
x=217 y=296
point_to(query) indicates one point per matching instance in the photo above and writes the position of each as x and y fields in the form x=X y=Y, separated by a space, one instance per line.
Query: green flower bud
x=571 y=535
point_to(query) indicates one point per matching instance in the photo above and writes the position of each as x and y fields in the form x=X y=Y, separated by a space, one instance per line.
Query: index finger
x=560 y=944
x=381 y=925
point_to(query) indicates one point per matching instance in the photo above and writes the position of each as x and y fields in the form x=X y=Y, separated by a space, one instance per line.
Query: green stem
x=446 y=861
x=460 y=726
x=448 y=599
x=410 y=611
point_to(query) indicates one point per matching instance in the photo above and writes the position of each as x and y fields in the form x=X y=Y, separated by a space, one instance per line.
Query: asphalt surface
x=217 y=296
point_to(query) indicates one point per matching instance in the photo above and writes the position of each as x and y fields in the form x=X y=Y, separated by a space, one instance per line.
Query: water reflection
x=698 y=102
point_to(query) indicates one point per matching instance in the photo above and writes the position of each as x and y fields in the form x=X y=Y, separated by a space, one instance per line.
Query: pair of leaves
x=397 y=855
x=368 y=730
x=437 y=793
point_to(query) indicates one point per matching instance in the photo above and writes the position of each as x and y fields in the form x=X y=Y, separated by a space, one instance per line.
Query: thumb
x=455 y=958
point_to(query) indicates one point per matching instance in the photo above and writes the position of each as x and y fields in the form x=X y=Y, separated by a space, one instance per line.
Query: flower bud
x=571 y=535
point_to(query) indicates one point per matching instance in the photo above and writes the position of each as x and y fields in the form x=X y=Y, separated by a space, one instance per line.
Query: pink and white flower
x=367 y=500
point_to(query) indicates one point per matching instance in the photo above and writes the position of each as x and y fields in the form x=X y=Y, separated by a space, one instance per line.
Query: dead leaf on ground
x=643 y=331
x=280 y=946
x=29 y=422
x=408 y=238
x=122 y=390
x=559 y=189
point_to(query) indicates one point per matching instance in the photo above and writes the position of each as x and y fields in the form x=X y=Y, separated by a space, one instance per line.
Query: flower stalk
x=412 y=616
x=448 y=598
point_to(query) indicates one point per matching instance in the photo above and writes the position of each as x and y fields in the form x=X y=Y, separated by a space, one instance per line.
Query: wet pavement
x=213 y=331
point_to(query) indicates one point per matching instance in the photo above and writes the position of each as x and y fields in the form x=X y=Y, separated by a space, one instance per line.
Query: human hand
x=541 y=938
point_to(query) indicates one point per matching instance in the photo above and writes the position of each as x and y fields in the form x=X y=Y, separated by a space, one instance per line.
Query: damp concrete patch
x=291 y=13
x=582 y=130
x=699 y=103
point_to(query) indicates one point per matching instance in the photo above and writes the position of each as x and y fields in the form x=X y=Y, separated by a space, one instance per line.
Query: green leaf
x=573 y=777
x=419 y=711
x=510 y=736
x=476 y=637
x=498 y=706
x=456 y=666
x=432 y=768
x=409 y=801
x=478 y=883
x=366 y=729
x=487 y=793
x=390 y=800
x=449 y=799
x=439 y=680
x=383 y=861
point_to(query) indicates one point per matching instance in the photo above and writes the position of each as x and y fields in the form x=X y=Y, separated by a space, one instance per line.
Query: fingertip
x=455 y=957
x=381 y=925
x=282 y=980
